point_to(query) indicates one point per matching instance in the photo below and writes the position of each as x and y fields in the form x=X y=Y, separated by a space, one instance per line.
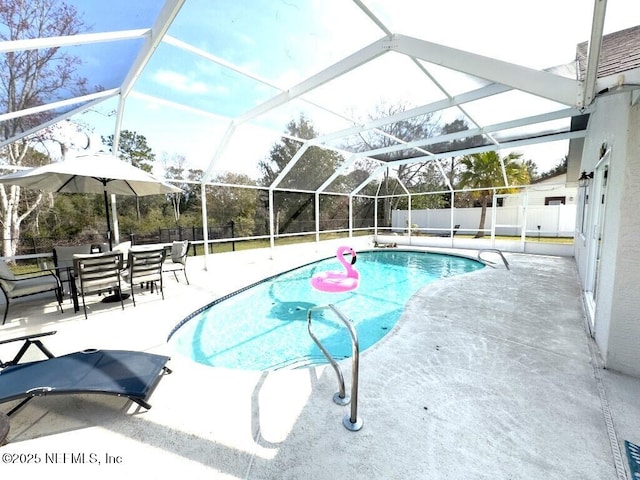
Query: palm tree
x=485 y=171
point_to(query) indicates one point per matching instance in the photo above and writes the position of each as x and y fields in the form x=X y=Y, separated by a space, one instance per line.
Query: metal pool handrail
x=493 y=250
x=351 y=422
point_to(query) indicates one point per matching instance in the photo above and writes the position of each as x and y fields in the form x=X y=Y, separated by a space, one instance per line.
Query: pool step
x=302 y=362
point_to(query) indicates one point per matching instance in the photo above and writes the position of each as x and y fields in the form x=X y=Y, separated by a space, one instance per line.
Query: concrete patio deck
x=488 y=375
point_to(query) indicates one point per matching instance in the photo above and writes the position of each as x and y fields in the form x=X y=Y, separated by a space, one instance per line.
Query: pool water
x=264 y=327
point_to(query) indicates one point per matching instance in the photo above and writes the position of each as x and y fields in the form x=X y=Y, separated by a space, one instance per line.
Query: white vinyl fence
x=545 y=220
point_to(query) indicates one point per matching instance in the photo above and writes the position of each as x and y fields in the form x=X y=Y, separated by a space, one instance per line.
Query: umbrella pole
x=106 y=209
x=118 y=296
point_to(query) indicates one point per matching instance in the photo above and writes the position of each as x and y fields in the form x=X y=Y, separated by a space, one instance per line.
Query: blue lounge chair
x=123 y=373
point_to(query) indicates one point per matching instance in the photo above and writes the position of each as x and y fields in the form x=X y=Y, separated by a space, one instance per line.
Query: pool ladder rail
x=350 y=421
x=490 y=263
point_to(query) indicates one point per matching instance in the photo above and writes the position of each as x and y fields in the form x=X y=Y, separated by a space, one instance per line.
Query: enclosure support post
x=205 y=226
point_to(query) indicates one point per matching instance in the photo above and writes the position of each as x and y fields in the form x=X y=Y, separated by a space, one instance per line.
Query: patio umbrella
x=96 y=173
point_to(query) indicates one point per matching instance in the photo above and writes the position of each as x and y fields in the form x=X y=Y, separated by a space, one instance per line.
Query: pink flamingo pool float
x=336 y=282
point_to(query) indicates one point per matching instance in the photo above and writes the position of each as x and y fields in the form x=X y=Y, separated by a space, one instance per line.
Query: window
x=584 y=206
x=555 y=200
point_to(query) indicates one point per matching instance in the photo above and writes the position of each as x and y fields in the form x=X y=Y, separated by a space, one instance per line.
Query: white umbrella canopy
x=96 y=173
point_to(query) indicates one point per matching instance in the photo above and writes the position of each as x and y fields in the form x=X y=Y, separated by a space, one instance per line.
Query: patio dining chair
x=16 y=286
x=123 y=248
x=179 y=252
x=144 y=267
x=98 y=273
x=63 y=262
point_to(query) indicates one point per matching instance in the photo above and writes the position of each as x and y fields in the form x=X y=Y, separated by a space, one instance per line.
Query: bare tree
x=175 y=168
x=29 y=78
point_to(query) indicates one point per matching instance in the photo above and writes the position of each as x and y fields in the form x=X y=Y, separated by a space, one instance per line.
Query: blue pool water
x=264 y=327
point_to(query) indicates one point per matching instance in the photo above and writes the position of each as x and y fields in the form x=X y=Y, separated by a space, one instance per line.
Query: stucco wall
x=616 y=317
x=624 y=333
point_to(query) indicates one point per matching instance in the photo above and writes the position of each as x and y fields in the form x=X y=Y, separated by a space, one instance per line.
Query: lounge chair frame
x=121 y=373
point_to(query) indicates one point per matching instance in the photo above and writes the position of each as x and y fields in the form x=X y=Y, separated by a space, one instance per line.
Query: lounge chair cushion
x=32 y=285
x=22 y=285
x=5 y=271
x=179 y=251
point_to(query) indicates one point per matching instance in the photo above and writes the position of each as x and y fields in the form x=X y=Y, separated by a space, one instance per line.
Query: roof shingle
x=620 y=52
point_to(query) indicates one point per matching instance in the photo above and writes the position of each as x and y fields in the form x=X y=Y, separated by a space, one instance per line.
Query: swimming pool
x=264 y=326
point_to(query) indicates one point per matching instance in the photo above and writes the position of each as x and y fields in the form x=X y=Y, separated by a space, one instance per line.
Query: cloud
x=180 y=82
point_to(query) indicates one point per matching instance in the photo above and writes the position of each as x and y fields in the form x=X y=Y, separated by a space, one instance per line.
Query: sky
x=281 y=43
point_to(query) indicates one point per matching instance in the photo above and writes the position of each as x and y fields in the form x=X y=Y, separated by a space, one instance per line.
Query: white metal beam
x=166 y=16
x=593 y=57
x=178 y=106
x=453 y=136
x=483 y=92
x=159 y=29
x=57 y=119
x=537 y=82
x=71 y=40
x=369 y=179
x=423 y=69
x=186 y=47
x=337 y=172
x=290 y=164
x=486 y=148
x=372 y=17
x=462 y=110
x=62 y=103
x=545 y=117
x=222 y=146
x=169 y=40
x=345 y=65
x=468 y=151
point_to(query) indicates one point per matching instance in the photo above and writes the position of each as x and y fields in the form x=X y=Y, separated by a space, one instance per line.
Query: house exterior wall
x=624 y=334
x=551 y=187
x=616 y=323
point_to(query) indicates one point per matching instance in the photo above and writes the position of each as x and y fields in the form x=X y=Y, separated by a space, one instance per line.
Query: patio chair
x=179 y=252
x=123 y=248
x=97 y=273
x=144 y=267
x=16 y=286
x=122 y=373
x=449 y=234
x=63 y=262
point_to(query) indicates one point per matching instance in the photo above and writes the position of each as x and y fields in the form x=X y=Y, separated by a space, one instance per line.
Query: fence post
x=233 y=243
